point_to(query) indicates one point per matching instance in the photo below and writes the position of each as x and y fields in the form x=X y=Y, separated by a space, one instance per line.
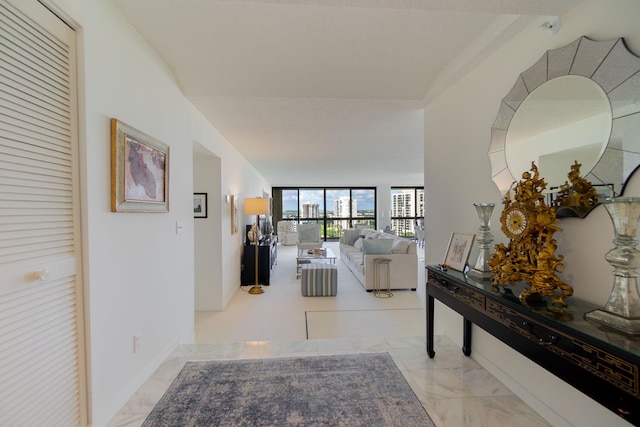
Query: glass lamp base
x=629 y=326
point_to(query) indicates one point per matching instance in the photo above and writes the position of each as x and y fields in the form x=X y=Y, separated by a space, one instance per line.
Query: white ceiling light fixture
x=552 y=26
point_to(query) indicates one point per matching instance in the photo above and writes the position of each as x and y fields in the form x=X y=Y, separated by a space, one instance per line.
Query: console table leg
x=430 y=352
x=466 y=338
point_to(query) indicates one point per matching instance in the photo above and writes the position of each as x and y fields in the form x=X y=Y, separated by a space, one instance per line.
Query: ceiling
x=327 y=92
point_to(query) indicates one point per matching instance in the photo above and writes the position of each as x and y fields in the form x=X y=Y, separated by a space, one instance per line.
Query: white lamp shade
x=257 y=206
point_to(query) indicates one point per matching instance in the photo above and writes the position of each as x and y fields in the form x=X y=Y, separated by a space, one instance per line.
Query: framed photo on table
x=458 y=250
x=139 y=171
x=200 y=206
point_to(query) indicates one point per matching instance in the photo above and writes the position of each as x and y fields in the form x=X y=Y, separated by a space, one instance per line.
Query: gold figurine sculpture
x=576 y=195
x=530 y=256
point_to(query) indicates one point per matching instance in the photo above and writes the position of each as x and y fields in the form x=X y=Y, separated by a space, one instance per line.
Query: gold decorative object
x=576 y=196
x=530 y=256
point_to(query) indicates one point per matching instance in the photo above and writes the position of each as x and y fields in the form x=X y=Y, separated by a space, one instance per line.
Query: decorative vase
x=482 y=270
x=622 y=312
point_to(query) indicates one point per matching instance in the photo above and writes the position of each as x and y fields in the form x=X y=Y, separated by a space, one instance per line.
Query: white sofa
x=402 y=252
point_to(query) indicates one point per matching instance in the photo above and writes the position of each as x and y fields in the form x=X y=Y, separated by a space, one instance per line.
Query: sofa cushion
x=355 y=257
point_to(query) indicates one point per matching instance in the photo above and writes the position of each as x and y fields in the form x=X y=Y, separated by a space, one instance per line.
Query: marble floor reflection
x=454 y=389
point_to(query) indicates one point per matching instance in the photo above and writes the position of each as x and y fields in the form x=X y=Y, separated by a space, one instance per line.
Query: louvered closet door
x=41 y=347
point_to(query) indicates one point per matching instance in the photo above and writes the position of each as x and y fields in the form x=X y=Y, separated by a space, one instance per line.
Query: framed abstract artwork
x=458 y=250
x=139 y=171
x=235 y=203
x=200 y=206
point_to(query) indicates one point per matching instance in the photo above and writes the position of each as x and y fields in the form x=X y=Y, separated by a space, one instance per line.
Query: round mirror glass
x=564 y=120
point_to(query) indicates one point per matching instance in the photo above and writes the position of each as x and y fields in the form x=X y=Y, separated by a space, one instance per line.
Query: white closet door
x=41 y=345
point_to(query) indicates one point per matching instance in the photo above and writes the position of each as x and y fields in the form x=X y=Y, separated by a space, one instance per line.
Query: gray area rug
x=364 y=389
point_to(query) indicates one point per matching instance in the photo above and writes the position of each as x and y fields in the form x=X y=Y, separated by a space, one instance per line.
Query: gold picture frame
x=458 y=250
x=139 y=171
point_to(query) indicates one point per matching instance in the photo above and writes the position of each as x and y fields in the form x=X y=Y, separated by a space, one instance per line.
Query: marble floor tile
x=484 y=412
x=335 y=346
x=454 y=389
x=299 y=347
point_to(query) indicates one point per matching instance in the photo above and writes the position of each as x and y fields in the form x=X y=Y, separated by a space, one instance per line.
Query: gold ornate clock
x=517 y=222
x=530 y=255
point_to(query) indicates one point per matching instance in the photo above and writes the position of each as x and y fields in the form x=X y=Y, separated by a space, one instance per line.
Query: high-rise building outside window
x=343 y=208
x=310 y=210
x=407 y=210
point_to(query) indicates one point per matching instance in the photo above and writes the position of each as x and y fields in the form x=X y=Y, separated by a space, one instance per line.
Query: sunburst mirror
x=578 y=103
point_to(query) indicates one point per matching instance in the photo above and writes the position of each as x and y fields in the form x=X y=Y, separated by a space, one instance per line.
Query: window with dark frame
x=407 y=210
x=335 y=208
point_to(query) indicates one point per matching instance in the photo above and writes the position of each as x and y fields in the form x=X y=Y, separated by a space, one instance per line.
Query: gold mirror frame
x=611 y=65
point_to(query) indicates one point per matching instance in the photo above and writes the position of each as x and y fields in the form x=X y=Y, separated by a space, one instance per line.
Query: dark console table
x=267 y=255
x=600 y=362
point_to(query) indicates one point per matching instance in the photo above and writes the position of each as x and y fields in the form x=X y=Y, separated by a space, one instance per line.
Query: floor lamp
x=257 y=207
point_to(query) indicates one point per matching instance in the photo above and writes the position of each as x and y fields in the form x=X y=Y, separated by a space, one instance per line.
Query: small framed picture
x=199 y=205
x=458 y=250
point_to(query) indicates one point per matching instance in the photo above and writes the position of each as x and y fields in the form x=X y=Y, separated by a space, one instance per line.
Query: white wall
x=207 y=177
x=457 y=155
x=239 y=178
x=138 y=271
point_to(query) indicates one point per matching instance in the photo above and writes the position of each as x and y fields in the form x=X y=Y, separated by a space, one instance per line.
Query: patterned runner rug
x=364 y=389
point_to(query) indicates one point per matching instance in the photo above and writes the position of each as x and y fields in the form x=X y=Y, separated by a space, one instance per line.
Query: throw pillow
x=350 y=236
x=365 y=232
x=400 y=246
x=358 y=243
x=377 y=246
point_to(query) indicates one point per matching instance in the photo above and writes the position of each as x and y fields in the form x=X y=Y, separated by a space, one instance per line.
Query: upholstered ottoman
x=319 y=280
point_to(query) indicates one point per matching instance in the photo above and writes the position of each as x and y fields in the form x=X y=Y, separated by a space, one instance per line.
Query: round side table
x=378 y=263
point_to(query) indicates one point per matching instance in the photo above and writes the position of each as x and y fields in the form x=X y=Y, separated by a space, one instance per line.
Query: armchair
x=287 y=233
x=309 y=236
